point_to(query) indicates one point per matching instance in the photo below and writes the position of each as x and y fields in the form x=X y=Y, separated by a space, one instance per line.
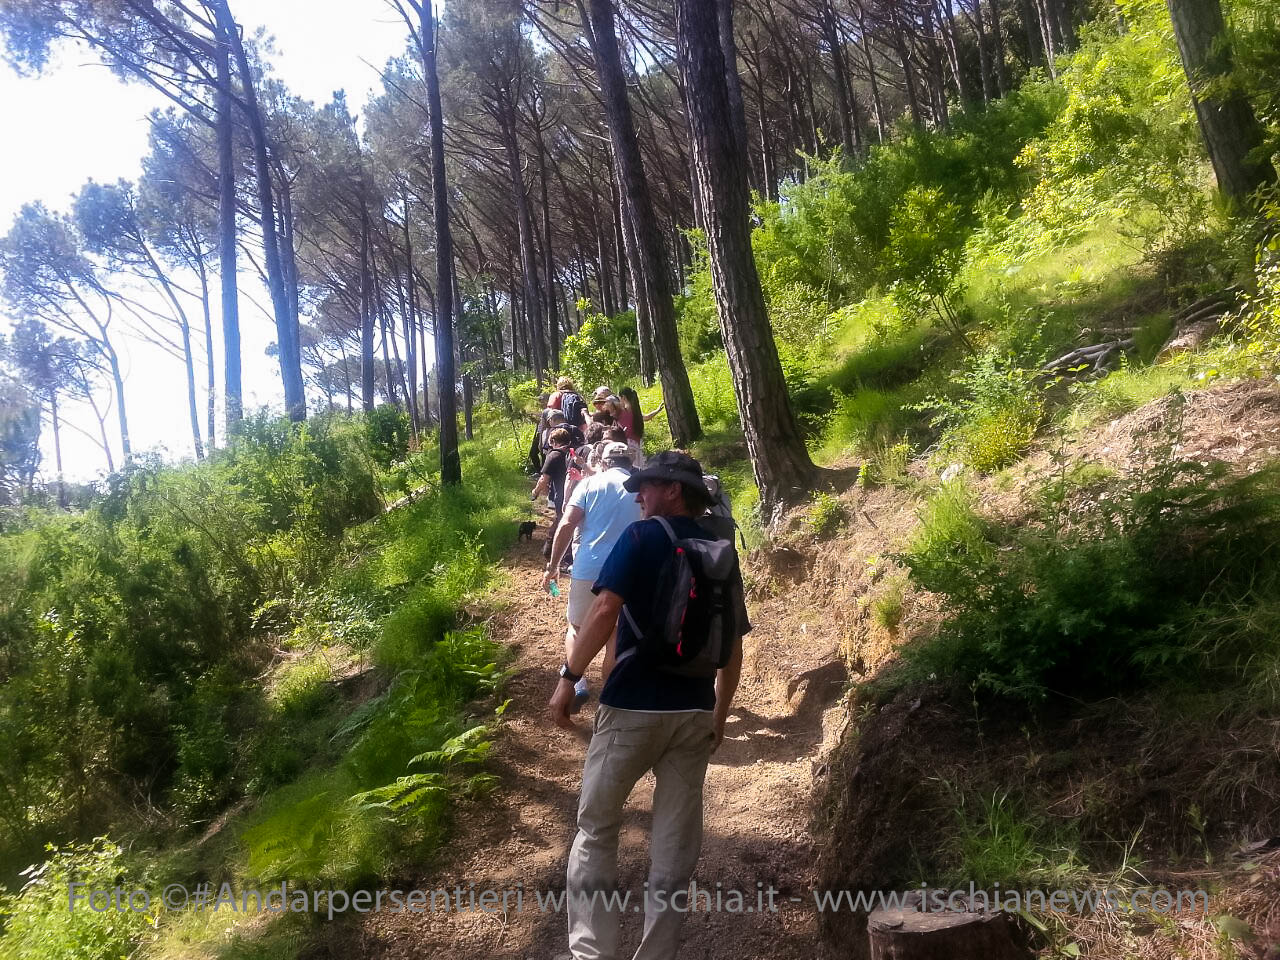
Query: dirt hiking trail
x=756 y=799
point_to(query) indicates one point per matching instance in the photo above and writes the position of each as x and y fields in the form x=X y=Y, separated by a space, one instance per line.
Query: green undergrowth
x=1111 y=583
x=339 y=764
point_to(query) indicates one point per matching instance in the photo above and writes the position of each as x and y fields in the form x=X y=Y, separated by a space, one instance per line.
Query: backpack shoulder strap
x=667 y=527
x=635 y=627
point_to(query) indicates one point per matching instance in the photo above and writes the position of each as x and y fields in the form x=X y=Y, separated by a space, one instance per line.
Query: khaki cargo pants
x=626 y=744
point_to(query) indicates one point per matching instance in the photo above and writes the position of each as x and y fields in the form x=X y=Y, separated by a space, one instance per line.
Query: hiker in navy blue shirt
x=649 y=717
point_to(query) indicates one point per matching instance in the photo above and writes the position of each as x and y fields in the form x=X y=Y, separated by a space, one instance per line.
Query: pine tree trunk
x=468 y=404
x=937 y=76
x=102 y=432
x=411 y=319
x=619 y=245
x=528 y=253
x=1035 y=52
x=425 y=356
x=548 y=259
x=184 y=328
x=286 y=327
x=210 y=381
x=1227 y=122
x=57 y=447
x=450 y=464
x=604 y=272
x=193 y=404
x=729 y=49
x=873 y=79
x=378 y=306
x=1045 y=12
x=642 y=292
x=367 y=397
x=908 y=70
x=121 y=416
x=232 y=388
x=682 y=415
x=844 y=105
x=997 y=51
x=781 y=464
x=984 y=52
x=953 y=52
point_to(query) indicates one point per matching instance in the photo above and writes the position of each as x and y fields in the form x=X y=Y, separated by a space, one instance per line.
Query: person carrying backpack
x=571 y=403
x=670 y=599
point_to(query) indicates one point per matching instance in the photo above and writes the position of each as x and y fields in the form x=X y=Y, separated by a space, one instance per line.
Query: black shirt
x=555 y=468
x=631 y=571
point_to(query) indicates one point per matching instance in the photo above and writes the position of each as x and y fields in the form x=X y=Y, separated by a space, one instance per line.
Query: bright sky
x=76 y=121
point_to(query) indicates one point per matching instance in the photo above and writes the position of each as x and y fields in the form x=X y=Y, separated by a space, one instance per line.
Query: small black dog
x=526 y=530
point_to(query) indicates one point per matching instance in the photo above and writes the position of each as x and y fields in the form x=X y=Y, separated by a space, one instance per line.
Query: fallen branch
x=1093 y=358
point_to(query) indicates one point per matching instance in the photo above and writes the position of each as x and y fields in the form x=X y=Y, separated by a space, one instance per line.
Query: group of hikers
x=568 y=440
x=655 y=585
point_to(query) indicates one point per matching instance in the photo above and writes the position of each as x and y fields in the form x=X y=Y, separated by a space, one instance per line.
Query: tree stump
x=968 y=933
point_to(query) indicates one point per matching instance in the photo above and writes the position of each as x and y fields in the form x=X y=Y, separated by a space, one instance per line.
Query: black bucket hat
x=672 y=465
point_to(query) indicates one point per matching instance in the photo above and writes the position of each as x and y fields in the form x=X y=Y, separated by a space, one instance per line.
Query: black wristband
x=567 y=674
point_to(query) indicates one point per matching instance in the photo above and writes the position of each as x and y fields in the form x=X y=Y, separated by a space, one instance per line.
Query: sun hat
x=672 y=465
x=601 y=393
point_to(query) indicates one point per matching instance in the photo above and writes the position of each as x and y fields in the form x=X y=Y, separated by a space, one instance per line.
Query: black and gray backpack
x=694 y=619
x=718 y=519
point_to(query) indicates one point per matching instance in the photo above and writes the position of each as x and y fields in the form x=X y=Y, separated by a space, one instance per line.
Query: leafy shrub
x=1254 y=34
x=950 y=526
x=1125 y=143
x=996 y=414
x=39 y=925
x=713 y=392
x=886 y=464
x=133 y=629
x=886 y=608
x=605 y=350
x=301 y=688
x=523 y=395
x=387 y=427
x=996 y=841
x=863 y=418
x=927 y=235
x=826 y=515
x=1101 y=592
x=799 y=316
x=832 y=232
x=388 y=799
x=696 y=318
x=999 y=437
x=1261 y=320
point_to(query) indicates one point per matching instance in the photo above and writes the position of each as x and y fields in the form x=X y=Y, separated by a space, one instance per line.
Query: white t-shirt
x=608 y=510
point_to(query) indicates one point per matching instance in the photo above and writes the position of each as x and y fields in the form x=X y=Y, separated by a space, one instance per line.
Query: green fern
x=467 y=747
x=404 y=794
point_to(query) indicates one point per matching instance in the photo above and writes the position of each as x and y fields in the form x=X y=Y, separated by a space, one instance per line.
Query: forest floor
x=785 y=715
